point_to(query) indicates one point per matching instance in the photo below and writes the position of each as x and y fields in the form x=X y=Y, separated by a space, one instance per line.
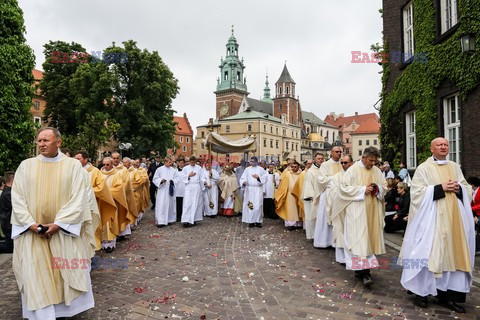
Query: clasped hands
x=451 y=186
x=52 y=229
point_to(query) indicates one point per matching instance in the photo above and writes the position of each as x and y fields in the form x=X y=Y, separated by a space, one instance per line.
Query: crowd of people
x=63 y=209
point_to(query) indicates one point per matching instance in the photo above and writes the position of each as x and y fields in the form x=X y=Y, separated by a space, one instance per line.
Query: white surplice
x=271 y=185
x=192 y=201
x=165 y=204
x=253 y=194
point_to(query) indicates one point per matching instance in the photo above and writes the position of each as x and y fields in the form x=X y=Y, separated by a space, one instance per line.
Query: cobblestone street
x=221 y=269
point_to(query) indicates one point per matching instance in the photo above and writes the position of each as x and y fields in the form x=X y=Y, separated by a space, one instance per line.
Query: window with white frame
x=227 y=128
x=188 y=140
x=36 y=105
x=411 y=140
x=408 y=42
x=249 y=127
x=451 y=116
x=37 y=120
x=184 y=148
x=448 y=14
x=181 y=139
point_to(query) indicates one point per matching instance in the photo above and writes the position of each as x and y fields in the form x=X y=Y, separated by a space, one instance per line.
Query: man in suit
x=151 y=172
x=6 y=213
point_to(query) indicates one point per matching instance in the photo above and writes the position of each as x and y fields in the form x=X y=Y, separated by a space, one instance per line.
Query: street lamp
x=467 y=41
x=124 y=146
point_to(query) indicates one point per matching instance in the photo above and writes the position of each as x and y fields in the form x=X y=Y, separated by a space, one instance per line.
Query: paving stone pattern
x=221 y=269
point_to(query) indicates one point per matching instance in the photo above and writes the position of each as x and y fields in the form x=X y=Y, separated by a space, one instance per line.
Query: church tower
x=231 y=85
x=285 y=105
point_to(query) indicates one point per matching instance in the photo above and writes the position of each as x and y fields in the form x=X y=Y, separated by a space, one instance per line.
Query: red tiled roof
x=369 y=126
x=183 y=127
x=37 y=74
x=359 y=119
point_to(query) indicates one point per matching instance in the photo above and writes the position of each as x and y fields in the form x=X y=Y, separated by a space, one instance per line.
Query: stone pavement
x=221 y=269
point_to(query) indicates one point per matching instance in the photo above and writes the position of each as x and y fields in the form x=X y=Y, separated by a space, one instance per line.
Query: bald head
x=439 y=148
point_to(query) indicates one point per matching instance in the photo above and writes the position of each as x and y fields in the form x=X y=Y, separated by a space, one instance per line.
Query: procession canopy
x=220 y=144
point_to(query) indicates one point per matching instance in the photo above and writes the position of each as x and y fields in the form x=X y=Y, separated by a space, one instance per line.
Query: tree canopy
x=17 y=129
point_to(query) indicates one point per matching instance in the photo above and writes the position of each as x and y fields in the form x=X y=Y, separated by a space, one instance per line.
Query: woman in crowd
x=401 y=217
x=390 y=206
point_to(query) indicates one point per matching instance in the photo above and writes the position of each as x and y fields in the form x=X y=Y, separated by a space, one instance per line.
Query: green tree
x=16 y=88
x=60 y=107
x=144 y=90
x=91 y=88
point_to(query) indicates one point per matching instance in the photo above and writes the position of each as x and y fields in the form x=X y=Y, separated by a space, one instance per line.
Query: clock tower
x=231 y=85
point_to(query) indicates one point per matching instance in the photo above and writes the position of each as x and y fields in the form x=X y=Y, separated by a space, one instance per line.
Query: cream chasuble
x=364 y=214
x=136 y=181
x=439 y=231
x=129 y=196
x=51 y=190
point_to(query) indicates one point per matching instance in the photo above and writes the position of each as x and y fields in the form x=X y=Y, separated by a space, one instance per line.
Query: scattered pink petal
x=140 y=290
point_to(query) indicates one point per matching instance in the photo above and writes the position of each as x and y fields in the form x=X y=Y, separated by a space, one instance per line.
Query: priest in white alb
x=193 y=200
x=438 y=251
x=323 y=226
x=311 y=195
x=338 y=210
x=166 y=202
x=50 y=208
x=251 y=182
x=269 y=189
x=363 y=187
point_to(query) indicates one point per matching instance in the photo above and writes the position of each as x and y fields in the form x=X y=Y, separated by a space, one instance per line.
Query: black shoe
x=290 y=228
x=251 y=225
x=153 y=207
x=160 y=225
x=258 y=225
x=121 y=238
x=367 y=280
x=420 y=301
x=452 y=306
x=109 y=250
x=358 y=274
x=186 y=224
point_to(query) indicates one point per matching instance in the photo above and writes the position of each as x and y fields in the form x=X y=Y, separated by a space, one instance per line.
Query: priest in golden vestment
x=115 y=184
x=323 y=237
x=49 y=210
x=106 y=229
x=127 y=186
x=136 y=182
x=289 y=207
x=439 y=247
x=363 y=186
x=145 y=189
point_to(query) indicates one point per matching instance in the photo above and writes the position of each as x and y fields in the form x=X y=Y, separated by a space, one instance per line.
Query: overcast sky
x=315 y=37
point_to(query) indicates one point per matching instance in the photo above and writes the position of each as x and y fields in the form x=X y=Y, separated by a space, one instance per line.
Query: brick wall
x=233 y=99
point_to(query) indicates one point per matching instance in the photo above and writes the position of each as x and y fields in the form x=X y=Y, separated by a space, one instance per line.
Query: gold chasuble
x=297 y=192
x=46 y=192
x=127 y=186
x=136 y=181
x=106 y=205
x=450 y=247
x=145 y=189
x=364 y=217
x=286 y=204
x=115 y=184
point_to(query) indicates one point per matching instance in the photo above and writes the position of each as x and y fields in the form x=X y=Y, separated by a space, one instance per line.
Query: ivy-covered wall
x=417 y=83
